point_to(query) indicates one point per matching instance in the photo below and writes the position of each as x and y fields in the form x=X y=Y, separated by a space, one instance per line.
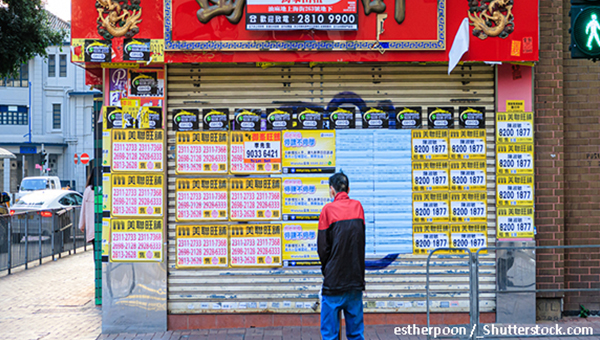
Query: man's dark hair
x=339 y=182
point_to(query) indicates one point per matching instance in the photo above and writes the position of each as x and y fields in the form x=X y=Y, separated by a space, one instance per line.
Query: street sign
x=76 y=159
x=85 y=158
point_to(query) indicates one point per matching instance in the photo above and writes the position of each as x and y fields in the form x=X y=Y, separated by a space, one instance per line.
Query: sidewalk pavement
x=56 y=301
x=385 y=332
x=51 y=301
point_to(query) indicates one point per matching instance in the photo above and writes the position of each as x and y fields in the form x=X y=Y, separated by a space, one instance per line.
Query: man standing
x=341 y=247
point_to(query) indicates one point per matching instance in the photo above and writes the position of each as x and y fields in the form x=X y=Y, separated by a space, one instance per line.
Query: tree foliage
x=24 y=33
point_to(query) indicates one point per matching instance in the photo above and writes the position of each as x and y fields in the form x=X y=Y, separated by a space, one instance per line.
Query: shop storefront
x=223 y=122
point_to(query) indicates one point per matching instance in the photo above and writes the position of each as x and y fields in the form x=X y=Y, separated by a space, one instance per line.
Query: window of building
x=63 y=65
x=21 y=78
x=13 y=115
x=52 y=65
x=56 y=116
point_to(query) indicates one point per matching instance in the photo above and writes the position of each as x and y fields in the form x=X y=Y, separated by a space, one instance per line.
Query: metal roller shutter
x=400 y=287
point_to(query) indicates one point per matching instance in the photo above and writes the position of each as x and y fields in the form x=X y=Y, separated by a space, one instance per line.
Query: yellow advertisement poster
x=105 y=246
x=201 y=152
x=202 y=246
x=300 y=244
x=201 y=199
x=106 y=141
x=468 y=144
x=468 y=175
x=514 y=127
x=137 y=195
x=515 y=222
x=431 y=207
x=514 y=191
x=137 y=150
x=255 y=152
x=428 y=176
x=106 y=193
x=428 y=237
x=429 y=144
x=470 y=236
x=468 y=206
x=157 y=50
x=514 y=159
x=304 y=197
x=136 y=240
x=255 y=199
x=308 y=151
x=252 y=245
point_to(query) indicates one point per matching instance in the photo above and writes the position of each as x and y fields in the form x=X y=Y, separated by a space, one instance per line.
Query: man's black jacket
x=341 y=245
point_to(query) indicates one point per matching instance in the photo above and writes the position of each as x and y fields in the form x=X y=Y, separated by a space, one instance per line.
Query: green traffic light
x=585 y=30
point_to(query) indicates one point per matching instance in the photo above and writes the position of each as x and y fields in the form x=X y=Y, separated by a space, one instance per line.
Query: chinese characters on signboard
x=136 y=240
x=201 y=199
x=202 y=246
x=255 y=245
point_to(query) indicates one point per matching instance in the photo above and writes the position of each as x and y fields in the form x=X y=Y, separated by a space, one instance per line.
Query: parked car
x=46 y=200
x=32 y=184
x=50 y=215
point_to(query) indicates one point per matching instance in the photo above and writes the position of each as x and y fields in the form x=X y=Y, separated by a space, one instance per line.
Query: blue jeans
x=351 y=304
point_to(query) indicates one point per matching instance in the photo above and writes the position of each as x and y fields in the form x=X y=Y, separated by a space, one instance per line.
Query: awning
x=6 y=154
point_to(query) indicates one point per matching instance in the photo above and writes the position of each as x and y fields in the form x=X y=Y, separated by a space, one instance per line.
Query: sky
x=60 y=8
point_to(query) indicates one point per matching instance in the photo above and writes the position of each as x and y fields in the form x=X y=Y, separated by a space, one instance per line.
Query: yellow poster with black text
x=468 y=206
x=430 y=207
x=429 y=145
x=255 y=199
x=468 y=175
x=136 y=240
x=201 y=199
x=471 y=236
x=427 y=237
x=468 y=144
x=201 y=152
x=137 y=150
x=514 y=127
x=202 y=246
x=137 y=195
x=514 y=191
x=308 y=151
x=304 y=197
x=514 y=159
x=430 y=176
x=515 y=222
x=255 y=245
x=300 y=244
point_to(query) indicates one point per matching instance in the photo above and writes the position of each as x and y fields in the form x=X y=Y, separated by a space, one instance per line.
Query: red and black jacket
x=341 y=245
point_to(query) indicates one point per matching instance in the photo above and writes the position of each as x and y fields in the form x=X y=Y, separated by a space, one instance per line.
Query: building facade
x=208 y=156
x=47 y=105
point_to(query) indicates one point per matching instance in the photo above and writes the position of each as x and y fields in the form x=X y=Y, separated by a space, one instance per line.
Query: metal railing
x=474 y=313
x=35 y=235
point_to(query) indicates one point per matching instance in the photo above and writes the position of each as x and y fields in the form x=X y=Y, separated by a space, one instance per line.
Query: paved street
x=51 y=301
x=55 y=301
